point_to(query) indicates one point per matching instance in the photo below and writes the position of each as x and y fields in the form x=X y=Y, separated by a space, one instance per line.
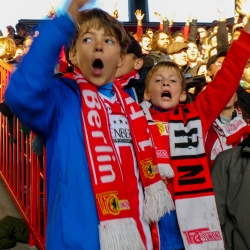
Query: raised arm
x=139 y=18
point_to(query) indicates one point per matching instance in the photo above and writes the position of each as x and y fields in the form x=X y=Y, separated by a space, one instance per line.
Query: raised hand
x=115 y=14
x=160 y=17
x=139 y=17
x=75 y=6
x=243 y=7
x=52 y=14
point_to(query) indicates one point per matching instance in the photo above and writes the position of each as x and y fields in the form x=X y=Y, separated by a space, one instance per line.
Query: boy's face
x=145 y=43
x=165 y=91
x=97 y=55
x=130 y=64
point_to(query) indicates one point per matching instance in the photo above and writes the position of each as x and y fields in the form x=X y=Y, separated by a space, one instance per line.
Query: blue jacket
x=51 y=108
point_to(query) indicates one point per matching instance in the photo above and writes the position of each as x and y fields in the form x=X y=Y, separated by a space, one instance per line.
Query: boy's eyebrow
x=90 y=32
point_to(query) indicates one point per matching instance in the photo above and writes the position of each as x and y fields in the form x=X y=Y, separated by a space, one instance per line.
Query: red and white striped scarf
x=123 y=80
x=117 y=226
x=193 y=190
x=228 y=135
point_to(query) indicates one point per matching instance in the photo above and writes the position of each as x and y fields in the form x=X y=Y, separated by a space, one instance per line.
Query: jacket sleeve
x=222 y=39
x=186 y=32
x=166 y=26
x=211 y=102
x=139 y=32
x=220 y=181
x=192 y=31
x=33 y=94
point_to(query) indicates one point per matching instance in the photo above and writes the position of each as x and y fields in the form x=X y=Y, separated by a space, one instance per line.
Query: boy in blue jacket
x=102 y=173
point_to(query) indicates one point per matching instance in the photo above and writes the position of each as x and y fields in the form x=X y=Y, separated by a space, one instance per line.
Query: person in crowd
x=20 y=28
x=132 y=74
x=7 y=48
x=145 y=44
x=100 y=154
x=178 y=36
x=202 y=32
x=159 y=45
x=178 y=53
x=10 y=31
x=231 y=184
x=229 y=128
x=193 y=54
x=149 y=31
x=164 y=91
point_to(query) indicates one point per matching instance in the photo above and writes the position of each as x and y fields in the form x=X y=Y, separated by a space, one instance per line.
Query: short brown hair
x=98 y=19
x=155 y=39
x=165 y=65
x=9 y=46
x=143 y=36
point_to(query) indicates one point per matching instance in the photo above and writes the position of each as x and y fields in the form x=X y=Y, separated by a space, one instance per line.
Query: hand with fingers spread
x=139 y=17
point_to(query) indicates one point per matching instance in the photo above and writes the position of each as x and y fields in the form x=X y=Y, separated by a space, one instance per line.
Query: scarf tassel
x=166 y=170
x=157 y=202
x=120 y=234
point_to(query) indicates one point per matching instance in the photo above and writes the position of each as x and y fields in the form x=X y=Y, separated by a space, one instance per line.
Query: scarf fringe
x=120 y=234
x=157 y=202
x=166 y=170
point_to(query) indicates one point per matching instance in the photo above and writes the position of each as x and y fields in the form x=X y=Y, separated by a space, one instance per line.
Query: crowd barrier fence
x=22 y=171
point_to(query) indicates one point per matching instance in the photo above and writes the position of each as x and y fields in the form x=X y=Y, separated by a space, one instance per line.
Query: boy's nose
x=99 y=47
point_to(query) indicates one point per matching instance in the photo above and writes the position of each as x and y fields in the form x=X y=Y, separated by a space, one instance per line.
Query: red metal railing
x=23 y=172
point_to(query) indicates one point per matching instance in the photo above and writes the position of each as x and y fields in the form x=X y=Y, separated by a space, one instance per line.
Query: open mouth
x=97 y=66
x=166 y=95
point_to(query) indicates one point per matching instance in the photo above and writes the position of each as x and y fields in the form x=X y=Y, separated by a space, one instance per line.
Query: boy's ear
x=146 y=95
x=121 y=60
x=183 y=96
x=73 y=57
x=138 y=64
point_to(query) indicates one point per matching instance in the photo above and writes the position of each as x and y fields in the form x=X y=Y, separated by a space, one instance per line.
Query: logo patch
x=201 y=235
x=149 y=169
x=110 y=204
